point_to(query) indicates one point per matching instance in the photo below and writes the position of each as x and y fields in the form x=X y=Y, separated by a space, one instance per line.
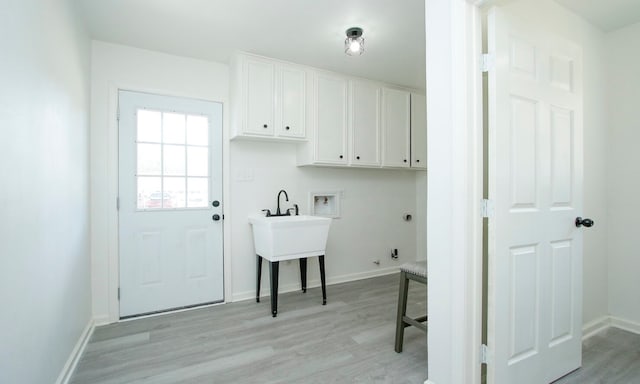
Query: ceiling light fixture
x=354 y=43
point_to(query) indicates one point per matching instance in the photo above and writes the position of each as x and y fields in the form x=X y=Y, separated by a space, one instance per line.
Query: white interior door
x=170 y=203
x=535 y=183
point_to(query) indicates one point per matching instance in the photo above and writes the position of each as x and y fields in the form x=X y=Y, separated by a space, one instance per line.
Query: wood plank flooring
x=350 y=340
x=610 y=357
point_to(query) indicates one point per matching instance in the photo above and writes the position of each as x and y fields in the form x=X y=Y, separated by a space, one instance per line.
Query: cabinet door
x=260 y=97
x=395 y=125
x=292 y=102
x=330 y=119
x=365 y=124
x=418 y=131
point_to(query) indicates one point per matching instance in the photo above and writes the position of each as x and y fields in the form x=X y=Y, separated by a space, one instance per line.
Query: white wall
x=113 y=67
x=623 y=93
x=421 y=216
x=44 y=192
x=372 y=208
x=558 y=20
x=373 y=203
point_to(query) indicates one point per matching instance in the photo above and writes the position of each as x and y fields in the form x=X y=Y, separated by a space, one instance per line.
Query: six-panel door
x=535 y=180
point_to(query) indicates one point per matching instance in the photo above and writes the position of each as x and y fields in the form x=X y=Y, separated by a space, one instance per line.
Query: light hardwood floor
x=610 y=357
x=350 y=340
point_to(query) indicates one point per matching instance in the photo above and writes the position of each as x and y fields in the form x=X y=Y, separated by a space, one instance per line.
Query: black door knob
x=586 y=222
x=215 y=217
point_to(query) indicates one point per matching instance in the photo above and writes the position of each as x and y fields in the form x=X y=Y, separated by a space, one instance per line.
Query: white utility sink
x=279 y=238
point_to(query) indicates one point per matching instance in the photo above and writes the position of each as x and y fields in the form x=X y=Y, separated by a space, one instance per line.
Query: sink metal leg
x=303 y=273
x=274 y=266
x=323 y=280
x=258 y=276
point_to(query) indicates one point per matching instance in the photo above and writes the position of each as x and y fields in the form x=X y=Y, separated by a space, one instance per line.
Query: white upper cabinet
x=269 y=99
x=259 y=90
x=396 y=127
x=335 y=120
x=365 y=124
x=418 y=131
x=293 y=102
x=330 y=119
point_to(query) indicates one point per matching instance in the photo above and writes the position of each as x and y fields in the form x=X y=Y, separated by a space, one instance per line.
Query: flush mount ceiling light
x=354 y=43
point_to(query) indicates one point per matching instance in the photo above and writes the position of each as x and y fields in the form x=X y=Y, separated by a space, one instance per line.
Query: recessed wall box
x=325 y=204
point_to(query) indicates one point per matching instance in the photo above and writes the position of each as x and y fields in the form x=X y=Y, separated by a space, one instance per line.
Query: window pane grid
x=182 y=180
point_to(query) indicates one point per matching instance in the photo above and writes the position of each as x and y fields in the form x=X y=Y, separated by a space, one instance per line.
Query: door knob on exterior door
x=586 y=222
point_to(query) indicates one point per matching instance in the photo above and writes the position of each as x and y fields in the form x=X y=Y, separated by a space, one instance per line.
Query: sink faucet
x=295 y=209
x=286 y=197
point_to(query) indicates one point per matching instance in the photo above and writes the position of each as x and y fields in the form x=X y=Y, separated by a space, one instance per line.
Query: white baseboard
x=101 y=320
x=626 y=325
x=429 y=382
x=291 y=287
x=605 y=322
x=76 y=353
x=595 y=326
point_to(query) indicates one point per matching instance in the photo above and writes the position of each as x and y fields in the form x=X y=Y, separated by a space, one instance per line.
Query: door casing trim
x=113 y=278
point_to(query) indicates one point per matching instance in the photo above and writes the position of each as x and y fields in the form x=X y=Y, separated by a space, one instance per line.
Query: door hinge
x=486 y=62
x=118 y=293
x=484 y=354
x=487 y=208
x=118 y=203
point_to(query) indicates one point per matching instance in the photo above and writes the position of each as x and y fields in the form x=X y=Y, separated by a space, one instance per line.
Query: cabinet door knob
x=417 y=161
x=265 y=126
x=287 y=127
x=341 y=156
x=405 y=160
x=358 y=157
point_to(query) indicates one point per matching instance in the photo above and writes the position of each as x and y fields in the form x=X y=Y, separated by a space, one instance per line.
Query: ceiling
x=310 y=32
x=608 y=15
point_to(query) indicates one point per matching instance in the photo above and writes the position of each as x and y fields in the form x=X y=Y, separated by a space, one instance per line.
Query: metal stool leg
x=402 y=310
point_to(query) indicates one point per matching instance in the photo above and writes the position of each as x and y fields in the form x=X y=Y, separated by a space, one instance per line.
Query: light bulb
x=354 y=46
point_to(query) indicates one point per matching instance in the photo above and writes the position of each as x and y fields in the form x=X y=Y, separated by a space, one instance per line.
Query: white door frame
x=455 y=176
x=113 y=278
